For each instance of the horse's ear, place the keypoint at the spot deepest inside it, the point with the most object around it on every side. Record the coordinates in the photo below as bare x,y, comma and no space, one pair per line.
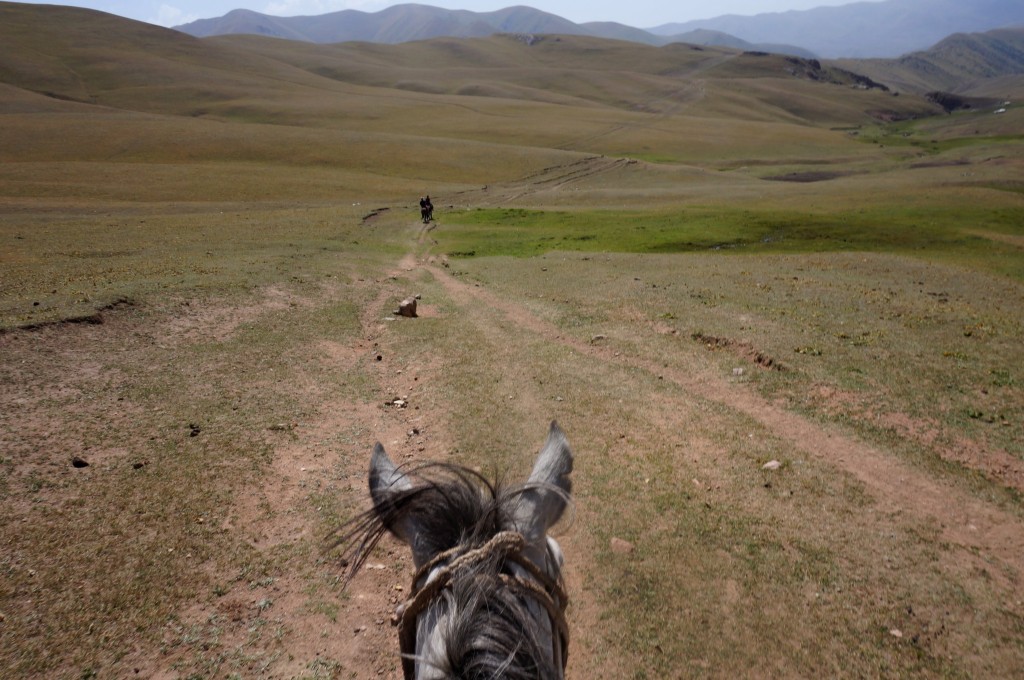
387,484
543,502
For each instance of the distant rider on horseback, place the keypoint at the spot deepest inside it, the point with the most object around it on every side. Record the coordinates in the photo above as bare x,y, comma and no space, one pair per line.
426,210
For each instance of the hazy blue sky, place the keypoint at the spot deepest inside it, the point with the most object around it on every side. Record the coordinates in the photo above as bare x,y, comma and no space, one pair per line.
639,13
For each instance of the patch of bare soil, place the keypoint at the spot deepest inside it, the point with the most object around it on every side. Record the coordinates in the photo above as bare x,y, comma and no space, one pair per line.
202,321
996,464
372,216
740,348
95,317
807,177
953,163
1009,239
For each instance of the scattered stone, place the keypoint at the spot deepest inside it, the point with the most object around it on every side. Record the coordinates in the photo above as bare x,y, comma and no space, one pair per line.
621,547
737,371
407,308
79,462
771,465
896,633
598,338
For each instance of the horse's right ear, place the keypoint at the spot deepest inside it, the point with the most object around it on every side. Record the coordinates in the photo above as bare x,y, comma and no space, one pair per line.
387,484
543,503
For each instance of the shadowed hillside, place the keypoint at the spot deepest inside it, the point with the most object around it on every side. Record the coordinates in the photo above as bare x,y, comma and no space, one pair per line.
961,63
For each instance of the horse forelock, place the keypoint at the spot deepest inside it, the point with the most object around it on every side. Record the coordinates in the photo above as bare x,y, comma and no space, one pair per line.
481,627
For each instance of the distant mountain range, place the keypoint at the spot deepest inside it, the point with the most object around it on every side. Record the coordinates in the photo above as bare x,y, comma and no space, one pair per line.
978,63
863,29
407,23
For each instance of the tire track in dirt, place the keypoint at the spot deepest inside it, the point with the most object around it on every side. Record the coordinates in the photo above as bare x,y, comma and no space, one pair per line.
553,177
964,520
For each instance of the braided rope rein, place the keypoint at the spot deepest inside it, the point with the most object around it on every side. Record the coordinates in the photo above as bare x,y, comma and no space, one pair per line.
509,546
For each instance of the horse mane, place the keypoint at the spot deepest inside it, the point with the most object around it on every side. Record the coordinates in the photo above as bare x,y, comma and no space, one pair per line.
491,630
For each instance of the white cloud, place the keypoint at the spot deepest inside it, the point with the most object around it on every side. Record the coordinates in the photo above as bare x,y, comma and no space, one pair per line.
172,16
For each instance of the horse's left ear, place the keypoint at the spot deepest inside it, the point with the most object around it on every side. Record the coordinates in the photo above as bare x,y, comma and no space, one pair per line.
387,483
543,503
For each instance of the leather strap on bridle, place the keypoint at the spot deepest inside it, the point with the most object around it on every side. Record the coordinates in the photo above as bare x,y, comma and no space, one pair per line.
509,546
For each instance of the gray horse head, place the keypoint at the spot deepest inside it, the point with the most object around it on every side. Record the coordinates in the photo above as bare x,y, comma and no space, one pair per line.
487,599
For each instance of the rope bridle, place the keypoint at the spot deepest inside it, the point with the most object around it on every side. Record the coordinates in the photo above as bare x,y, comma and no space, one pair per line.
505,546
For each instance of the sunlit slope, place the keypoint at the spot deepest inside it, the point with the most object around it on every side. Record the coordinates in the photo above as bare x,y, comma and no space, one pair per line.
77,85
575,70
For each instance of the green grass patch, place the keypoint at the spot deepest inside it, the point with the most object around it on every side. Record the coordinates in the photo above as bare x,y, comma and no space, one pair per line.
939,232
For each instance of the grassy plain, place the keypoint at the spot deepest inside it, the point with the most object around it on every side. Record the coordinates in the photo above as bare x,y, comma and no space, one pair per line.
696,273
